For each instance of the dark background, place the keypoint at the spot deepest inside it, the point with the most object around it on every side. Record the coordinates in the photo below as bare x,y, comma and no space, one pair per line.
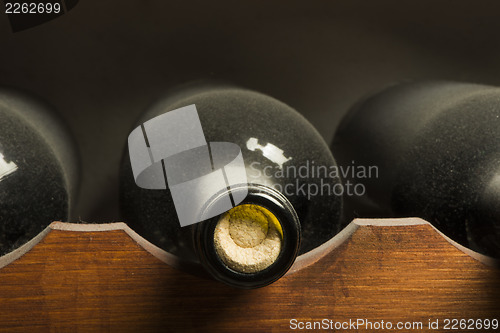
104,62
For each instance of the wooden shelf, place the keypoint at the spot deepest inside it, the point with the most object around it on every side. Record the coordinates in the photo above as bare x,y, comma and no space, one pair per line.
89,277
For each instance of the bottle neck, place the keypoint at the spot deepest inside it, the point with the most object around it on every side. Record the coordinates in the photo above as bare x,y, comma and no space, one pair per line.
254,243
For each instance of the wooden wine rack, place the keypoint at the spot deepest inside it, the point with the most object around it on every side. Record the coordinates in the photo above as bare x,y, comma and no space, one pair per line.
91,278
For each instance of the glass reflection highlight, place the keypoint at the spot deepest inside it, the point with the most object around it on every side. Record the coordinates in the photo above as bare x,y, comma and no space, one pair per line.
6,168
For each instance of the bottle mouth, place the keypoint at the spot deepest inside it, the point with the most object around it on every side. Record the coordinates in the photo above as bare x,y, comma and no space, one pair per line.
254,243
248,238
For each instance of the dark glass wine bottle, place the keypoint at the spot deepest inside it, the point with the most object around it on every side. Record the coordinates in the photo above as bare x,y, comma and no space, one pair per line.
289,206
437,149
38,168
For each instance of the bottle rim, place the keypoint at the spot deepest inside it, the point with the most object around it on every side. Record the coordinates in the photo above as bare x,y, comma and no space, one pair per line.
282,209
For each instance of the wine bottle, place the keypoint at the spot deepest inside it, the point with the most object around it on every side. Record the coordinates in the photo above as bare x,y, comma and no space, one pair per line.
437,149
286,206
38,168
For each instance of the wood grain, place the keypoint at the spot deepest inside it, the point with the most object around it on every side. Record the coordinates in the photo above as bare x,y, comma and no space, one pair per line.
88,278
